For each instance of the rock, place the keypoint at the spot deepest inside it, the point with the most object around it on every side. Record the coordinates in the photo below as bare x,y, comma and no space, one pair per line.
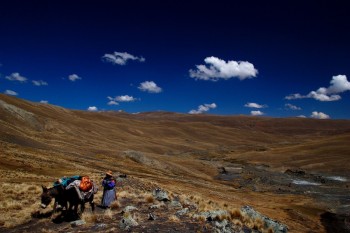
154,207
268,223
127,222
151,216
129,209
222,170
77,223
160,195
182,212
22,114
296,172
223,226
176,204
100,226
211,215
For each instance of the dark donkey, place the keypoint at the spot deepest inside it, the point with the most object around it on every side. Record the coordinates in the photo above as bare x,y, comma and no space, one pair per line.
63,197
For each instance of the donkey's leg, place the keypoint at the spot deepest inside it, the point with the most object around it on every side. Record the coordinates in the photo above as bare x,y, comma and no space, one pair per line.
92,204
82,206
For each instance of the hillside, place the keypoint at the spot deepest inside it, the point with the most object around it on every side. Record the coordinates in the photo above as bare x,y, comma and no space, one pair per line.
184,154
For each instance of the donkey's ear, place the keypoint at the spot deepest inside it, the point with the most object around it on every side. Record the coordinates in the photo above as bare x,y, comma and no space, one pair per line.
44,188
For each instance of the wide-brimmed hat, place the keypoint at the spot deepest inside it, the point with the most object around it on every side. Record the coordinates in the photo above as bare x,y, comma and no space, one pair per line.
109,173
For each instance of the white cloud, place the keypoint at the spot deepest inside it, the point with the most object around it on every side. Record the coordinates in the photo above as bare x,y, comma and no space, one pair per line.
295,96
203,108
301,116
125,98
92,109
113,102
39,83
150,86
118,58
9,92
220,69
338,84
319,115
254,105
44,101
16,77
256,113
74,77
292,107
121,98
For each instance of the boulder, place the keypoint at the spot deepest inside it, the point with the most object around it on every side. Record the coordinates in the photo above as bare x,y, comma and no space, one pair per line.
211,215
176,204
127,222
182,212
223,226
160,195
268,222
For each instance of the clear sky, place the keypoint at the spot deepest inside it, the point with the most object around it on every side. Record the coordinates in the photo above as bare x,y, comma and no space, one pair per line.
271,58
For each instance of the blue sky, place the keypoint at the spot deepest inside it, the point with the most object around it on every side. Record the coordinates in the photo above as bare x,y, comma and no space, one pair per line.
268,58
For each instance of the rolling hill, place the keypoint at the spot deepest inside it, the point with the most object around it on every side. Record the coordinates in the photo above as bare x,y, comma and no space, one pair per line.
180,152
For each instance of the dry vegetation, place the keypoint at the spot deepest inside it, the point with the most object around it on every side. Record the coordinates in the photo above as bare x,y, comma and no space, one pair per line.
181,153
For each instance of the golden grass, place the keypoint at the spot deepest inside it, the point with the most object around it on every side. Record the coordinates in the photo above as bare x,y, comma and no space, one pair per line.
18,201
182,154
90,218
173,218
115,205
150,199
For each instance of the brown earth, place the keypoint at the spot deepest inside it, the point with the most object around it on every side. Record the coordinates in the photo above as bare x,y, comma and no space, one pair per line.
184,154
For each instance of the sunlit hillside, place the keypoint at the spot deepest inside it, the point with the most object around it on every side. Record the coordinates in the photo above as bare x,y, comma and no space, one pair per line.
180,152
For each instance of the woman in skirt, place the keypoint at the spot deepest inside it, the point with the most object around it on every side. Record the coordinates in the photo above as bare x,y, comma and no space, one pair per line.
109,192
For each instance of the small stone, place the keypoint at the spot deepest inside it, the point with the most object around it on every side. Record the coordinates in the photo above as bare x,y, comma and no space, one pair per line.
77,223
182,212
176,204
160,195
129,209
151,216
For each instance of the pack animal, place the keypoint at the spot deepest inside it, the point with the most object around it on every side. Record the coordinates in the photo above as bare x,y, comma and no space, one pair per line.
65,197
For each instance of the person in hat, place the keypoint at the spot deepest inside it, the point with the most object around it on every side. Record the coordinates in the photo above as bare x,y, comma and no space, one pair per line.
109,190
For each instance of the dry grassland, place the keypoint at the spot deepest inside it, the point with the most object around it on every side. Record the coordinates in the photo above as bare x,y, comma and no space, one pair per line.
180,153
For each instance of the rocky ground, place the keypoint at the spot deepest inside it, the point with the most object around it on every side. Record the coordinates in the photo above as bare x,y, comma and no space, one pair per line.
331,193
151,210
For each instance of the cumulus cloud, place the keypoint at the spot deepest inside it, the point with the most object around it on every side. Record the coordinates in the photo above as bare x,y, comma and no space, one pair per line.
74,77
44,101
254,105
338,84
219,69
256,113
16,77
319,115
294,96
125,98
92,109
301,116
39,83
150,86
118,58
9,92
121,98
292,107
113,102
203,108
